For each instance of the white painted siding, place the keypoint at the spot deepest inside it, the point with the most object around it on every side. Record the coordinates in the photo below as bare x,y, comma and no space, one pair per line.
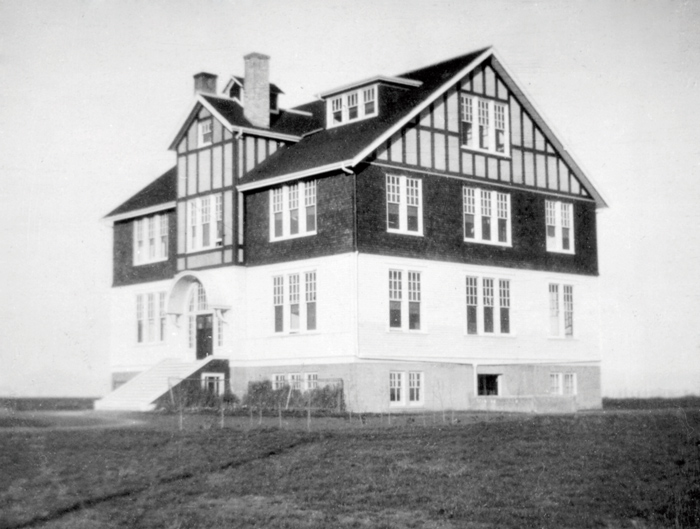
333,339
443,334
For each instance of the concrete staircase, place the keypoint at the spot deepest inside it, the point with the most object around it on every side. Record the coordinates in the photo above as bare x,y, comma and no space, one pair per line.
140,393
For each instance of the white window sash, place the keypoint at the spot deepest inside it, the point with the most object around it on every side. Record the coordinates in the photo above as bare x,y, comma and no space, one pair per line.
472,204
476,116
303,201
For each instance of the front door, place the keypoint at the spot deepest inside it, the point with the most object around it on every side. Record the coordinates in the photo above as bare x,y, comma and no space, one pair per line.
204,335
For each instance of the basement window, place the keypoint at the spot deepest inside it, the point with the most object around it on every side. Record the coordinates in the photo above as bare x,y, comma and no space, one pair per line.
488,385
213,383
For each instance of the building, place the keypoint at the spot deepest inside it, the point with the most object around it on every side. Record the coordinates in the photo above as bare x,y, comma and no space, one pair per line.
426,238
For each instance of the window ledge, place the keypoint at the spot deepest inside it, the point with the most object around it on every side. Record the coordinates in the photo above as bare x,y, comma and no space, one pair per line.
418,332
404,232
288,334
564,252
151,262
492,335
562,338
476,150
490,243
288,237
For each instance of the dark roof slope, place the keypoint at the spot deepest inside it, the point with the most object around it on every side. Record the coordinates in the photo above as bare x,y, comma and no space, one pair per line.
274,89
162,190
284,122
342,143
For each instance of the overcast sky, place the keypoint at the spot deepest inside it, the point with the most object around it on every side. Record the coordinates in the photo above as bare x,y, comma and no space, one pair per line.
92,93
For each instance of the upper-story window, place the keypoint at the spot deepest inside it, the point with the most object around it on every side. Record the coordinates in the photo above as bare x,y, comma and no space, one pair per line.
293,210
404,205
486,216
151,239
206,136
352,106
484,125
404,299
559,217
205,225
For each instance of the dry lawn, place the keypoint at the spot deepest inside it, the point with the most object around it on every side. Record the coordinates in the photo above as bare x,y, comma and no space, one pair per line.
619,469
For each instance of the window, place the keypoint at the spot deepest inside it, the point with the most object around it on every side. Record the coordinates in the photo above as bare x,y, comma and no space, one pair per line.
561,321
488,385
151,239
295,381
311,381
369,100
352,106
404,205
561,310
205,133
560,226
491,120
486,216
293,211
213,383
488,305
150,317
292,313
279,381
197,303
204,223
401,281
406,388
562,383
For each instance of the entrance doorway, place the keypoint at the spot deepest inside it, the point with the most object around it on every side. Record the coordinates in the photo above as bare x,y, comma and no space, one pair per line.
205,331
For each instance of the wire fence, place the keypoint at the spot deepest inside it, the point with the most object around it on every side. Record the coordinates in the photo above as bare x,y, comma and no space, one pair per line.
314,399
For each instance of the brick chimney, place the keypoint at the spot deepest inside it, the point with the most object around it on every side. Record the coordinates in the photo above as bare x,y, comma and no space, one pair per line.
257,89
205,83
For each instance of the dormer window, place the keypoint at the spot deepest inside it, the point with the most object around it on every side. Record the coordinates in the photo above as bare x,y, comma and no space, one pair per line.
352,106
484,125
368,96
337,105
205,133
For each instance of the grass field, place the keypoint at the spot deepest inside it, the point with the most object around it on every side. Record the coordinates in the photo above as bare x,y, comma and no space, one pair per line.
616,469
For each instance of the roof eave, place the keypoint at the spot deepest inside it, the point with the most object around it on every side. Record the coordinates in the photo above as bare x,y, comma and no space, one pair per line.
288,177
111,219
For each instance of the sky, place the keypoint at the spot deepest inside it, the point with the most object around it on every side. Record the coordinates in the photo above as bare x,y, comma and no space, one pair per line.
93,92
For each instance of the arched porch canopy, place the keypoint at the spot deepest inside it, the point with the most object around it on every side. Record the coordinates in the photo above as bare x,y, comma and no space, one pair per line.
216,295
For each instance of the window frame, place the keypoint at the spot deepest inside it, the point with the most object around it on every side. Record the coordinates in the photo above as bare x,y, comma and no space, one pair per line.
303,195
499,384
405,192
151,318
401,382
562,311
558,213
481,295
561,388
295,291
483,115
207,208
151,236
220,384
205,133
496,208
339,107
406,289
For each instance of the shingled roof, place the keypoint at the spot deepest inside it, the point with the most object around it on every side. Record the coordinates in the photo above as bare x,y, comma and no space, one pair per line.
284,122
339,144
161,191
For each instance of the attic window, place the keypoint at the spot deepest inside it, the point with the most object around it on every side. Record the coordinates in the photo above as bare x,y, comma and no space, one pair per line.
484,125
205,133
352,106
